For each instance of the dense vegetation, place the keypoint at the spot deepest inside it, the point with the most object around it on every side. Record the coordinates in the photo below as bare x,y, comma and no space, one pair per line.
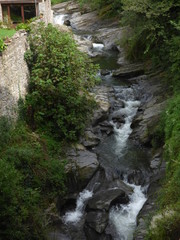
58,101
32,152
31,177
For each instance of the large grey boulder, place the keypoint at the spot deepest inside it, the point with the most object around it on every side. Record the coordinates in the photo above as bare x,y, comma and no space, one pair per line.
82,166
97,220
104,199
129,71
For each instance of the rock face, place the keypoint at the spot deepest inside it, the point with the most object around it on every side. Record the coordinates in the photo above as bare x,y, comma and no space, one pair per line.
82,166
129,71
110,197
150,206
153,102
97,220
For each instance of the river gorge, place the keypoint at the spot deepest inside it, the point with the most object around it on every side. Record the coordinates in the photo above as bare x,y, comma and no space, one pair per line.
114,194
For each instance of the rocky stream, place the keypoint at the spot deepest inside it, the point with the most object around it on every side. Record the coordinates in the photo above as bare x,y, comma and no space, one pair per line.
113,173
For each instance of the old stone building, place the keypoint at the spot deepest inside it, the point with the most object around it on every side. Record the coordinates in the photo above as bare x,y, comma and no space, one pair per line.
17,11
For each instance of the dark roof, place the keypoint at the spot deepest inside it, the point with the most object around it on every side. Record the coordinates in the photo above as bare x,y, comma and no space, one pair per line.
18,1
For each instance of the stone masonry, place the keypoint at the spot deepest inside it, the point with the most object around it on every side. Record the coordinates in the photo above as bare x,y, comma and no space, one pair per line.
14,74
1,17
45,9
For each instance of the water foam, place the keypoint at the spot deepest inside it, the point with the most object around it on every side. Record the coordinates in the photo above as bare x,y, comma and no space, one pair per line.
98,46
74,217
59,19
122,133
123,218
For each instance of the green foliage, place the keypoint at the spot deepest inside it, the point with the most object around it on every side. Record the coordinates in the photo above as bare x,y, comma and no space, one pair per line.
31,177
5,32
58,100
2,45
24,26
53,2
149,21
106,8
167,228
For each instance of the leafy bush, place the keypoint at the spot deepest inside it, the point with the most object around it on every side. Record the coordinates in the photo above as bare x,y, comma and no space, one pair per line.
24,26
31,177
58,100
107,8
2,45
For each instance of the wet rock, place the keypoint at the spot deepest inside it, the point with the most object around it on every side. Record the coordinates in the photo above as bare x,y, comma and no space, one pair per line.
91,234
97,220
104,72
101,95
103,200
90,139
118,116
137,177
129,71
67,23
82,166
150,206
84,45
109,34
85,21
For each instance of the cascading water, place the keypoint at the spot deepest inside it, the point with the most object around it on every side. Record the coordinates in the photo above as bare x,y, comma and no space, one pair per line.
123,218
74,217
98,46
112,151
59,19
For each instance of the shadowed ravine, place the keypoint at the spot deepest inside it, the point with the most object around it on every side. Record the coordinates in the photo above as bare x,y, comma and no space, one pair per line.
124,163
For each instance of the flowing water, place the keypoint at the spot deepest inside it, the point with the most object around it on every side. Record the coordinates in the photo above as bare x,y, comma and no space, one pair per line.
123,218
117,152
59,19
74,217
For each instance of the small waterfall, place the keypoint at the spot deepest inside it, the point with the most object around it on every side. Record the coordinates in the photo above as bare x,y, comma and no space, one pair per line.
98,46
59,19
123,218
74,217
129,111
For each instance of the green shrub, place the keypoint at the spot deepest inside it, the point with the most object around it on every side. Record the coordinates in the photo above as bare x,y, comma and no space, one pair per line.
58,100
2,45
31,177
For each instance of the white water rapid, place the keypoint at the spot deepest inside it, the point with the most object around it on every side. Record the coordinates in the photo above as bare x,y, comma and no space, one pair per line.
123,218
59,19
129,111
74,217
98,46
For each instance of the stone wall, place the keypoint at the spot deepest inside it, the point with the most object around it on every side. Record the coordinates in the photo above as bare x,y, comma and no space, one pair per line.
14,74
45,9
1,17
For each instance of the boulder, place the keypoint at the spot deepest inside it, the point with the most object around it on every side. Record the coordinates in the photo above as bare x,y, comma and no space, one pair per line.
97,220
118,116
90,139
67,23
105,72
82,166
104,199
91,234
129,71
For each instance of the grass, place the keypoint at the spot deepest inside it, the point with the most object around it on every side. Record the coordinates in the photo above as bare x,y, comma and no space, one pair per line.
6,33
57,1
